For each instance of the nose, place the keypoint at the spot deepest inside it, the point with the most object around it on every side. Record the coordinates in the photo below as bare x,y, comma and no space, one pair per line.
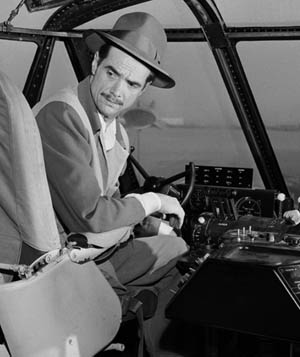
116,88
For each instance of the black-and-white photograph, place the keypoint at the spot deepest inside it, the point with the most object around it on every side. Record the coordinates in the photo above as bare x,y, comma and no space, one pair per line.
149,178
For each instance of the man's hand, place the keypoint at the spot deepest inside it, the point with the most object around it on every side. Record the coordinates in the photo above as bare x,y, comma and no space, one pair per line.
160,203
153,226
293,215
149,227
171,206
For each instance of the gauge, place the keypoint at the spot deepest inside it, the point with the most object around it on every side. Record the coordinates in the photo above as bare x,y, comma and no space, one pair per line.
248,205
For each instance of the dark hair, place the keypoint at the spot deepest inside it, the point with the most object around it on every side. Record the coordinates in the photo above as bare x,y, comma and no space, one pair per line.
103,53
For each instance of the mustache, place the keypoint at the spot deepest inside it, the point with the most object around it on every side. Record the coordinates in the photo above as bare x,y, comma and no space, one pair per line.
112,98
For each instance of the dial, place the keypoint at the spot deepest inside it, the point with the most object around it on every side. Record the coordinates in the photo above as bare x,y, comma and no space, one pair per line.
247,205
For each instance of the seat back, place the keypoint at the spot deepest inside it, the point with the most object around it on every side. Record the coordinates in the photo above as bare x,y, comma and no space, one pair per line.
64,309
26,213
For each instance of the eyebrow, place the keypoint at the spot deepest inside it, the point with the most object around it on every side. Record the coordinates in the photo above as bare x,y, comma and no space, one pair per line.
110,67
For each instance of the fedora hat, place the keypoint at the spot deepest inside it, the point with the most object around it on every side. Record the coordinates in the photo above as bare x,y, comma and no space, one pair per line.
140,35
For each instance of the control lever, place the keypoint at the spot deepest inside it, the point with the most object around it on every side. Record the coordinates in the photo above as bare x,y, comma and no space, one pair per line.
137,164
281,199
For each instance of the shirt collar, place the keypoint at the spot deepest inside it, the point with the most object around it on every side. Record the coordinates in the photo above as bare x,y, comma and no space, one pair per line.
108,132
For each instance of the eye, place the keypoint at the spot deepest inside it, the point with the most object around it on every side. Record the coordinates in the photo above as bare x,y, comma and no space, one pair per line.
111,74
133,85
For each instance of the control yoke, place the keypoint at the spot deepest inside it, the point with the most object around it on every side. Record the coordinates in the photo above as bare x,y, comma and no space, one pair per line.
164,185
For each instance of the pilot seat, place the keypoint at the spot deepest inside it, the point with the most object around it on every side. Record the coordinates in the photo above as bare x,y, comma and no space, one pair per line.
51,305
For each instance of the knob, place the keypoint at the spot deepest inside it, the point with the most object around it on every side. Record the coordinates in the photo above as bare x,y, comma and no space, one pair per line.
281,197
201,220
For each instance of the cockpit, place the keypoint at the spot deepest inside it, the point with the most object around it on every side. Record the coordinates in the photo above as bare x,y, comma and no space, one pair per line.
223,142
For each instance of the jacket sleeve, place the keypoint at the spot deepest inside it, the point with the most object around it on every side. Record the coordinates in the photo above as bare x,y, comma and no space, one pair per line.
74,188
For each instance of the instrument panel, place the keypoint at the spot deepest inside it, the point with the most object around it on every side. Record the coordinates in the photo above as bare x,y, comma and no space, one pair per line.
213,210
244,262
232,202
227,193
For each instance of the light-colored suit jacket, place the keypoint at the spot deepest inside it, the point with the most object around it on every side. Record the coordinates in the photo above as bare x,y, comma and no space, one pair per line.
80,203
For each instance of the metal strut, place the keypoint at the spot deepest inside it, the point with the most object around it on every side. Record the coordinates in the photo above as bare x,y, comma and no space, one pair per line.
13,14
228,61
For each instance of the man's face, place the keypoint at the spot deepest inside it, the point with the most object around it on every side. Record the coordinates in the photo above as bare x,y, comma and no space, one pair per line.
117,82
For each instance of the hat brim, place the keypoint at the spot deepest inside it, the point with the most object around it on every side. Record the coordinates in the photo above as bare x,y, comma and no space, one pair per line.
95,40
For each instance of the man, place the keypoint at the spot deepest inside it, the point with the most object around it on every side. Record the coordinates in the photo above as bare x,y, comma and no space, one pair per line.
85,151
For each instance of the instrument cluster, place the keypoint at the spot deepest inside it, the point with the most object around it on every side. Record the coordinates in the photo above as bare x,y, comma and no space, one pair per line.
212,211
233,202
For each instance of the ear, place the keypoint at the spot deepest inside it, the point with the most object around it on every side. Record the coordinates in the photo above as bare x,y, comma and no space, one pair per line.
95,63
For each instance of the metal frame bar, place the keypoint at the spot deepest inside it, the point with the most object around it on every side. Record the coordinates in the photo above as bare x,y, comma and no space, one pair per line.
79,57
32,34
68,17
239,90
174,34
38,71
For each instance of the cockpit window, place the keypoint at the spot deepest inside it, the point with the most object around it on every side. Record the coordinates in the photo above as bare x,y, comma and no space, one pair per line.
273,72
177,16
252,13
60,73
15,60
195,121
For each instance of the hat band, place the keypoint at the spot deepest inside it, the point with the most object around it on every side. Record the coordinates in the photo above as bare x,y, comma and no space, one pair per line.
139,43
